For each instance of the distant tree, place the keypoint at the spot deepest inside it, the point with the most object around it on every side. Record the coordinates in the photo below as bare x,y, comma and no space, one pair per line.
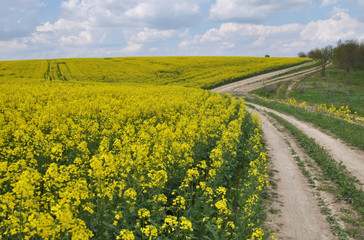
302,55
361,55
323,55
347,54
266,55
314,54
327,54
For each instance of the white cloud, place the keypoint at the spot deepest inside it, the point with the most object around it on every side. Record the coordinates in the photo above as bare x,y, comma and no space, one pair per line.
64,32
281,40
171,27
233,38
227,45
153,49
248,31
62,25
132,48
151,35
82,38
159,14
190,43
116,23
143,10
6,46
339,26
101,24
328,2
164,14
250,10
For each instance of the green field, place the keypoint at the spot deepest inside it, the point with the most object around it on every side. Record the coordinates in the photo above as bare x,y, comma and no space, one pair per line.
337,88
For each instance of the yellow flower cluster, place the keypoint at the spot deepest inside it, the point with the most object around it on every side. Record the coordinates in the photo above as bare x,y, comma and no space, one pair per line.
186,224
257,234
180,202
150,231
125,234
143,212
123,161
342,112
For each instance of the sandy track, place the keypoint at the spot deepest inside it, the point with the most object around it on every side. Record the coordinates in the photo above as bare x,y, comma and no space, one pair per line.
298,214
249,84
351,157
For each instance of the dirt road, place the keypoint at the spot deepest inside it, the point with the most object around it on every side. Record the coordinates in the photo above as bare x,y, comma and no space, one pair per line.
298,214
351,157
247,85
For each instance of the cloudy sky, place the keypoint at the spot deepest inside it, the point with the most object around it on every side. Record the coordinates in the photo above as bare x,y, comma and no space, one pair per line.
33,29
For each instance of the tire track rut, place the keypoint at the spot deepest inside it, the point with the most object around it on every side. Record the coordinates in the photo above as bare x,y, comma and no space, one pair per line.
249,84
298,214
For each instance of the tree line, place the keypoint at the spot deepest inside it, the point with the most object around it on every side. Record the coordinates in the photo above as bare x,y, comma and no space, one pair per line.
346,55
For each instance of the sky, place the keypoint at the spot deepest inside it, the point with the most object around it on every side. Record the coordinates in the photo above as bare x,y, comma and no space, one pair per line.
38,29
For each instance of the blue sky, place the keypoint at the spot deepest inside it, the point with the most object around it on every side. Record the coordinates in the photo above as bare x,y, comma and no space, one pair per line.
35,29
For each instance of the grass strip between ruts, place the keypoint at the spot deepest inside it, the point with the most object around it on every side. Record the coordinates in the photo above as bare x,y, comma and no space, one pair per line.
349,132
334,170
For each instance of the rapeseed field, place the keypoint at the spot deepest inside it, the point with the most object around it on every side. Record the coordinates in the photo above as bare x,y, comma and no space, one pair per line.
198,72
88,157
